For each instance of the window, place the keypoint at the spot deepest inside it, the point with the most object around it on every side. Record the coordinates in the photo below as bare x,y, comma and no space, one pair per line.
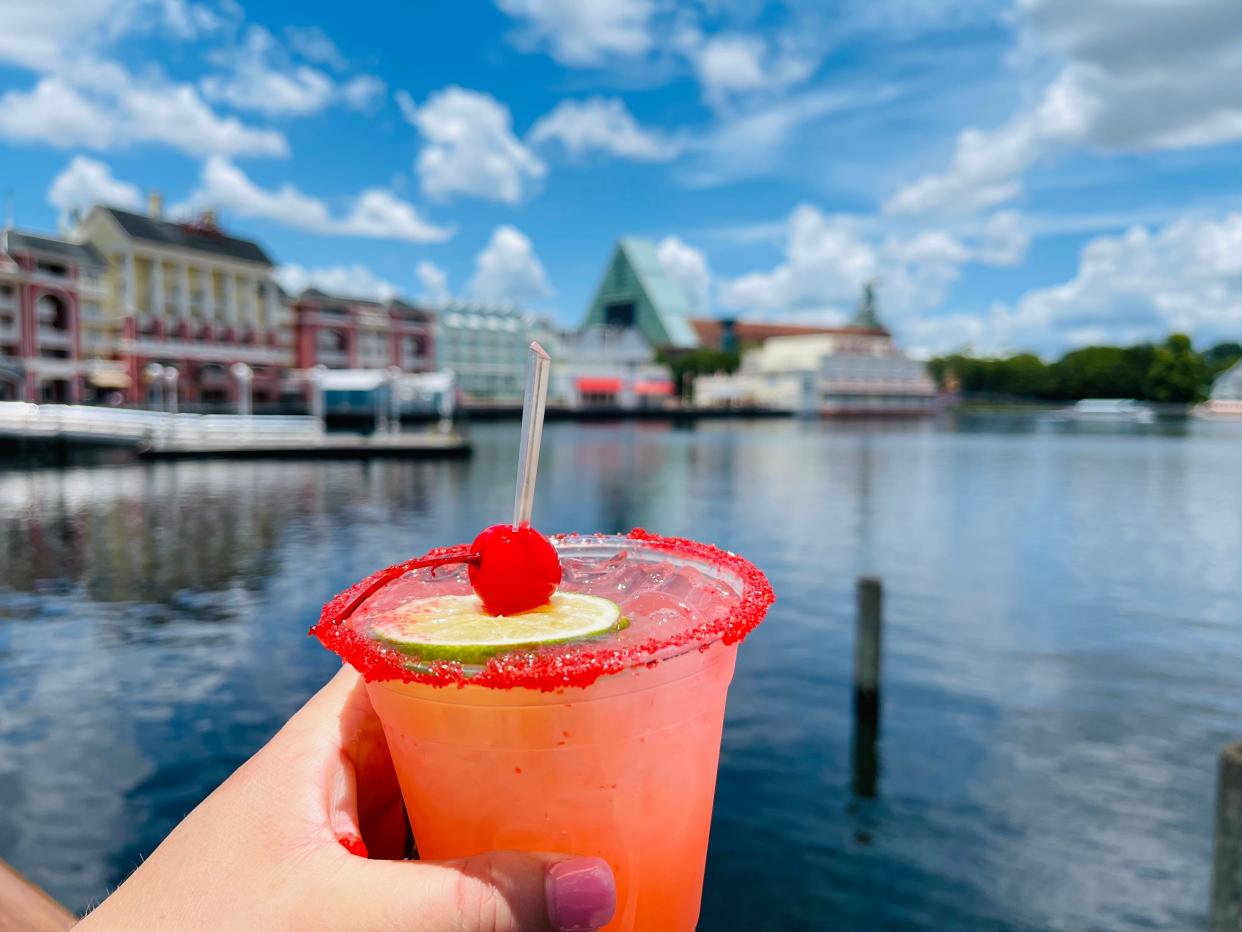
619,314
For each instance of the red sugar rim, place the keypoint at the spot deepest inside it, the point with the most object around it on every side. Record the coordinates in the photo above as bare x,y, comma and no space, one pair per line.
549,668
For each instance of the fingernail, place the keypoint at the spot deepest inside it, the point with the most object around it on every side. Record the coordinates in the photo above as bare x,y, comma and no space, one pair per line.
581,894
353,844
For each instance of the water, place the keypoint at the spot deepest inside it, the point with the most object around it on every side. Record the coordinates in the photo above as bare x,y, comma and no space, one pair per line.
1063,647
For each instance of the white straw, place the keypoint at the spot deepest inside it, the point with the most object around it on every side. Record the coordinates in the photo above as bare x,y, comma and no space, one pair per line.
532,433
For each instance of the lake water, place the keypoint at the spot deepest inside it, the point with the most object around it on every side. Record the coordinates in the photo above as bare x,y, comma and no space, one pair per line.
1063,651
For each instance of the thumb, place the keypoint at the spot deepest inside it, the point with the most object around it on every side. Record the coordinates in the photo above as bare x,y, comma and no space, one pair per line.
501,891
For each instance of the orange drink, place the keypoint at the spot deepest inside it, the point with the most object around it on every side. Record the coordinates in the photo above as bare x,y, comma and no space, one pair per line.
604,746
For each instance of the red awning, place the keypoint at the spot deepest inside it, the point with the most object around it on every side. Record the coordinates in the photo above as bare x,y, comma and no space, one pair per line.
598,386
657,387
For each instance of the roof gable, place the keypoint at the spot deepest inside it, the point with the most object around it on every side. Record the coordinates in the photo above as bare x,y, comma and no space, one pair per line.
636,275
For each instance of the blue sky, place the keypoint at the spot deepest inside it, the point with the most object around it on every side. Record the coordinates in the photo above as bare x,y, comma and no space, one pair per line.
1037,174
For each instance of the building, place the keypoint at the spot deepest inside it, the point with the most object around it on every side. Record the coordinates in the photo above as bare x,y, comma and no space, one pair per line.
358,333
637,293
188,295
732,334
603,367
486,349
852,370
48,289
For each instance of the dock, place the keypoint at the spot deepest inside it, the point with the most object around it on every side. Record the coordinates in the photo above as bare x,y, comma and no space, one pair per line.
55,431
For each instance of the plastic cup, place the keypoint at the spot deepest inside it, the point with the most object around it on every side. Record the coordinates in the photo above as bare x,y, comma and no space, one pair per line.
622,767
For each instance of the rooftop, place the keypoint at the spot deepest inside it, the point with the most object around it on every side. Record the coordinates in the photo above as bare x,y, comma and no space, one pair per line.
20,241
710,330
201,236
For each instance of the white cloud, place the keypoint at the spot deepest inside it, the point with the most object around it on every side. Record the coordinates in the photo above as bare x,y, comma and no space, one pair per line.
111,114
507,271
434,282
84,182
40,36
355,281
603,125
584,32
313,44
375,213
470,148
753,142
733,65
1132,78
260,76
828,258
687,267
826,263
1140,285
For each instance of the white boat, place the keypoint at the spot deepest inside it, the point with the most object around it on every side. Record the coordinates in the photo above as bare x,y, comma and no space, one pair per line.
1108,411
1220,409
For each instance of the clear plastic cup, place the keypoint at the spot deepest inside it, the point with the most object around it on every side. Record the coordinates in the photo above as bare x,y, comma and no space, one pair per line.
608,749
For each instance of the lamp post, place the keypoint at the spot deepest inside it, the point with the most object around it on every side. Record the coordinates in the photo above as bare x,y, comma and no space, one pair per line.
154,374
316,391
394,399
244,376
171,377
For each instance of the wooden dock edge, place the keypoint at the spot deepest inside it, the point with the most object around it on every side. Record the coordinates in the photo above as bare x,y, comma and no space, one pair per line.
26,908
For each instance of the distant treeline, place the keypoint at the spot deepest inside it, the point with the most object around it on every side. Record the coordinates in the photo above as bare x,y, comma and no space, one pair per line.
1172,371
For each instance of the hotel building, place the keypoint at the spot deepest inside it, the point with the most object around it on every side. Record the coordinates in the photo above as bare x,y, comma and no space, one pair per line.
186,294
49,289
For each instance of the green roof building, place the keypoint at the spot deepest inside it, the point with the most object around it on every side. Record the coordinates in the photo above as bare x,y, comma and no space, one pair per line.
636,292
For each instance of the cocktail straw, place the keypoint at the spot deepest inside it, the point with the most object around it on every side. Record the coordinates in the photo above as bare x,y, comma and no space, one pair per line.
532,433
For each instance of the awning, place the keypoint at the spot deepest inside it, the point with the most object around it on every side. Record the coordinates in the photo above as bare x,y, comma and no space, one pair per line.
661,387
599,386
106,378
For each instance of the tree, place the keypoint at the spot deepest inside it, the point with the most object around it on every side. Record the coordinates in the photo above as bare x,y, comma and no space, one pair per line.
1177,372
702,361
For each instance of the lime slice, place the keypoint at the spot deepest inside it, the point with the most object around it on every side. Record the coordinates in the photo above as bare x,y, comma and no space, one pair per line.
455,627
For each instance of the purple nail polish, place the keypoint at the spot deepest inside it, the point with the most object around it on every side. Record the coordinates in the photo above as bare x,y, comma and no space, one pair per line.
581,894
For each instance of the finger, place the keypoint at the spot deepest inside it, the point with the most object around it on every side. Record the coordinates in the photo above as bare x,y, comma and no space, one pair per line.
506,891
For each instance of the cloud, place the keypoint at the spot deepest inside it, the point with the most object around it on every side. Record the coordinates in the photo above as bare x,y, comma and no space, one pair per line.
603,125
507,271
375,213
261,76
84,182
687,267
734,65
584,32
40,36
752,142
1139,285
470,148
119,111
313,44
1130,79
828,258
434,282
355,281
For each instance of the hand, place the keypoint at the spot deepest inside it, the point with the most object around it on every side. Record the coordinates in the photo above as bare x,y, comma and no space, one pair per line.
267,850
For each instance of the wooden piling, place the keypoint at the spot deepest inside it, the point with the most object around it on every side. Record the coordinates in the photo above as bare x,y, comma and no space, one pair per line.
1227,853
864,759
867,643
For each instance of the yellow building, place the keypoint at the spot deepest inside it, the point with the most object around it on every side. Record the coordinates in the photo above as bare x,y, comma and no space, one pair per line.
188,295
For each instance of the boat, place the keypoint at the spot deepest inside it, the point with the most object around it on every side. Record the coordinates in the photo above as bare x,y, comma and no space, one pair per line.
1107,411
1222,409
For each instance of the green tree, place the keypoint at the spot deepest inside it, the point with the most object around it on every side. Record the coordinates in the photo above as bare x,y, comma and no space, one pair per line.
1177,372
702,361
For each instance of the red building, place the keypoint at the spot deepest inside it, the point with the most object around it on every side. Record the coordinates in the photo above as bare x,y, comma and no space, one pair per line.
47,285
357,333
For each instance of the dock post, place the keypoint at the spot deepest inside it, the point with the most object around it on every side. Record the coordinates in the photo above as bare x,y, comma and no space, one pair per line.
1227,852
867,642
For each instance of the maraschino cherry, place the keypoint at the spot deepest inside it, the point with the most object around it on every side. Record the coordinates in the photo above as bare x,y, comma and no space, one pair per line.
513,569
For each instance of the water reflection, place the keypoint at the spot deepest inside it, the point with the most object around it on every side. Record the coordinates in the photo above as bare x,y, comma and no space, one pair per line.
1061,655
